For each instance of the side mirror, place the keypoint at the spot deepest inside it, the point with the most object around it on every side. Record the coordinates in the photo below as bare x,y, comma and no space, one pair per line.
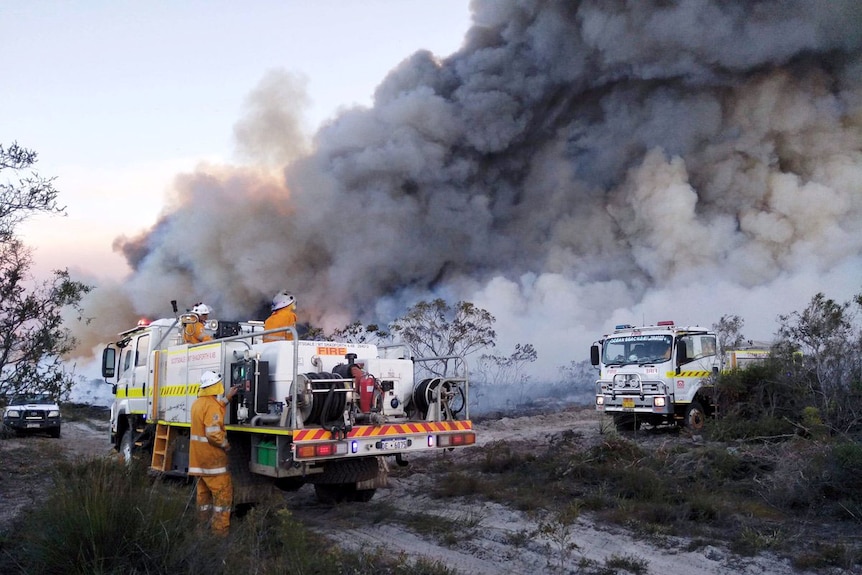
109,362
594,355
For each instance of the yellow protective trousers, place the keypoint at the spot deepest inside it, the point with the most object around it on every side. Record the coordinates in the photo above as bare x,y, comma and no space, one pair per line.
215,497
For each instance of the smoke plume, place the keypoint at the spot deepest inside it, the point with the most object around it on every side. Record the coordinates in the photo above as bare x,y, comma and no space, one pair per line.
574,165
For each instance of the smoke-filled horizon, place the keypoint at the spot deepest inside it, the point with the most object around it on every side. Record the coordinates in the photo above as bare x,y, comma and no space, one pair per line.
574,165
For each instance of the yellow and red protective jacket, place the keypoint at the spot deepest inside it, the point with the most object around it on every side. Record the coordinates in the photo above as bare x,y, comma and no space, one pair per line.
284,317
194,333
208,442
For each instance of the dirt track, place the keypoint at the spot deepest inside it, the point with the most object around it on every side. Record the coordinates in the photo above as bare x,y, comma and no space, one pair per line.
490,539
497,539
25,462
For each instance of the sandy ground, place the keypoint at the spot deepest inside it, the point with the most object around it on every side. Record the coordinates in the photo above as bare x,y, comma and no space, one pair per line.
494,539
500,539
25,462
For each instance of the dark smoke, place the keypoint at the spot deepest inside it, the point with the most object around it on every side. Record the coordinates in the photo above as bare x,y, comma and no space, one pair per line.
574,165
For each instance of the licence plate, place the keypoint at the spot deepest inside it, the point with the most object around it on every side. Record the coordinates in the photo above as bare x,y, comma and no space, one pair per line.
628,403
393,444
33,425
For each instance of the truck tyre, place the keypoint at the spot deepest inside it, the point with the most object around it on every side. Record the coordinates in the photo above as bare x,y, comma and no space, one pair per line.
289,483
55,433
627,422
127,447
695,417
347,471
363,495
330,494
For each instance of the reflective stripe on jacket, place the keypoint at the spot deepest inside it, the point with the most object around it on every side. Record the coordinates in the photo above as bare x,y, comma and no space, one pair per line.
194,333
208,440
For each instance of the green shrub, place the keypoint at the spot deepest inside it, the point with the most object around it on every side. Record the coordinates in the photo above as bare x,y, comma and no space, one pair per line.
763,428
101,518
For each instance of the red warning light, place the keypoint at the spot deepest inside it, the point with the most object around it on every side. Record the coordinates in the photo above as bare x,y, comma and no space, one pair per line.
143,322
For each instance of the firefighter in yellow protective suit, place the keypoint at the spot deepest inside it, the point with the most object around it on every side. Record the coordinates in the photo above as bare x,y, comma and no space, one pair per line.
194,332
283,315
208,447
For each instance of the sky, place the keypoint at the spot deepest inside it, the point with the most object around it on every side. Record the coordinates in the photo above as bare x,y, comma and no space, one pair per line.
118,98
567,166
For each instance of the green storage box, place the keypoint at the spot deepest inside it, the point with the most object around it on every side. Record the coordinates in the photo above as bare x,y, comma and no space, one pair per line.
266,453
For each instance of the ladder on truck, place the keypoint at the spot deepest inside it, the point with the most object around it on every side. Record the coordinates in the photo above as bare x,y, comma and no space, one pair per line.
162,447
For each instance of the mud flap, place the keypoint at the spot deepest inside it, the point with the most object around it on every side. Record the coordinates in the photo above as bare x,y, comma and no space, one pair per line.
380,480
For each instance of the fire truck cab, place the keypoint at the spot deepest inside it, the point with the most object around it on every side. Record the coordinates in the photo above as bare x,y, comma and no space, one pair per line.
656,374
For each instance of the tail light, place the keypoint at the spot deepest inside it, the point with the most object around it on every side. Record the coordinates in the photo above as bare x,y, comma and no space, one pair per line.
323,449
456,439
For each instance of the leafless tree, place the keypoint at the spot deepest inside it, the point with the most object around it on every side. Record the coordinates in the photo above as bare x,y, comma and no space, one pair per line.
436,329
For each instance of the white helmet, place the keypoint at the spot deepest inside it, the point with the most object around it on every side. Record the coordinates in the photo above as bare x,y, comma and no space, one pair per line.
209,378
282,299
201,309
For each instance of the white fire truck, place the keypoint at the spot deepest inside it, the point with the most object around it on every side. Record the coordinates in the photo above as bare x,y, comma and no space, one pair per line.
657,374
299,417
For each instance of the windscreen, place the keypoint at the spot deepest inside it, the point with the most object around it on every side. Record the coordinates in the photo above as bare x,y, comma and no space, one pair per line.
637,349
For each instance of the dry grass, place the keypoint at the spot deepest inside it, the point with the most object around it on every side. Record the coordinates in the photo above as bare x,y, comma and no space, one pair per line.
796,497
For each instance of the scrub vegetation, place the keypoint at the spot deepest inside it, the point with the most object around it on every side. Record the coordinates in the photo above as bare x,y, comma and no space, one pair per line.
86,525
801,498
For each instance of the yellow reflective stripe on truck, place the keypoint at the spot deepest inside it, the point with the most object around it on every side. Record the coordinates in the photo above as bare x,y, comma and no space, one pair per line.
698,373
133,392
179,390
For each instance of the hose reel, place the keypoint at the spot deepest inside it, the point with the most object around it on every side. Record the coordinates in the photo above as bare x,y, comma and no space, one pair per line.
451,396
322,397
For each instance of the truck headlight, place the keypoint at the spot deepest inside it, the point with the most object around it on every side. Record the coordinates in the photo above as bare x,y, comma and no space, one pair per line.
630,380
600,400
54,413
658,402
13,413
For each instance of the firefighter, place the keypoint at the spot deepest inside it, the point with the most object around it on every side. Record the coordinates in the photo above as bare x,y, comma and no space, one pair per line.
208,447
283,315
194,332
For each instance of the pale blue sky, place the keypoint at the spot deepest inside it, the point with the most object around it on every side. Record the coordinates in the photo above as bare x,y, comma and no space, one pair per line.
118,97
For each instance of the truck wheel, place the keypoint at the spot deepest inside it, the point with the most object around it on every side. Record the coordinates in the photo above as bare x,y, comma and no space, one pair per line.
289,483
627,422
55,433
347,471
363,495
330,493
127,447
695,417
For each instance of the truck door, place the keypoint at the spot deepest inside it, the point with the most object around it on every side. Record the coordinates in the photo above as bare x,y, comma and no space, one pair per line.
697,358
133,373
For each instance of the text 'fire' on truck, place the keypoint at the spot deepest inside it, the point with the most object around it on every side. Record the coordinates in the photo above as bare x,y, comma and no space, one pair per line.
661,374
299,417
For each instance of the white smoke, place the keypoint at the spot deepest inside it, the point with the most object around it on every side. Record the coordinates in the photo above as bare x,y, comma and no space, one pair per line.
574,165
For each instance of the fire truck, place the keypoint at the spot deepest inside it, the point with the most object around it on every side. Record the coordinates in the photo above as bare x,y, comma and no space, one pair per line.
656,374
302,414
